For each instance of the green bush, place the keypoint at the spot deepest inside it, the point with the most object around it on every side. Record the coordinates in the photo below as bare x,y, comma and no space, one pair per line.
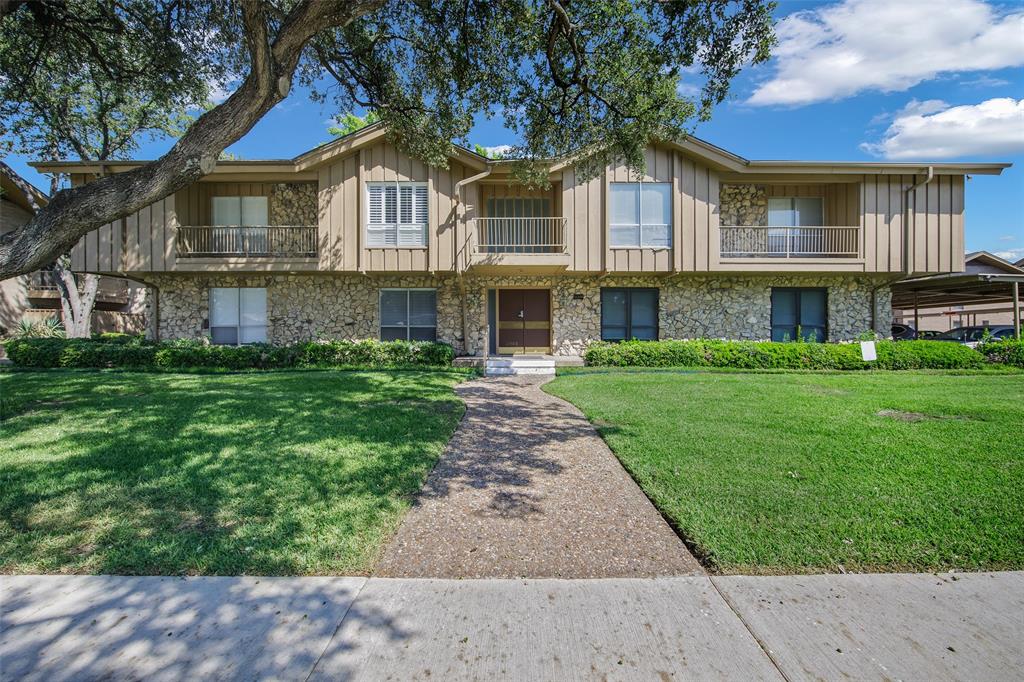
769,355
1006,351
136,352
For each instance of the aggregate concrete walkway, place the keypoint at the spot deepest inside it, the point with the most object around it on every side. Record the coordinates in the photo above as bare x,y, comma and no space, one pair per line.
527,488
864,627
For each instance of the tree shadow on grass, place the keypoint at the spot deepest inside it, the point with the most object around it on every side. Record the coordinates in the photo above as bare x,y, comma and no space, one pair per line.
270,474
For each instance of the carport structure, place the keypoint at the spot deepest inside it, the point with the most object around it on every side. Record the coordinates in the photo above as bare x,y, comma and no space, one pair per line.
987,279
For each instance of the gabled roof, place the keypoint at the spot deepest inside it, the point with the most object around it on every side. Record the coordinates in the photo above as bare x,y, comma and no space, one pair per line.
712,155
983,260
20,191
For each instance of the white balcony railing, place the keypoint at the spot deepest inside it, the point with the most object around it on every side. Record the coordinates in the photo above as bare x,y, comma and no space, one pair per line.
281,241
744,241
520,235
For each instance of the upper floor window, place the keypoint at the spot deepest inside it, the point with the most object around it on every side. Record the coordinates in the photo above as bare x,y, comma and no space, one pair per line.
240,211
795,212
519,207
397,214
641,214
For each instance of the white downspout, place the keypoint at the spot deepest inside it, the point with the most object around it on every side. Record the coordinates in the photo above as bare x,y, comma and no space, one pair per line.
458,265
906,218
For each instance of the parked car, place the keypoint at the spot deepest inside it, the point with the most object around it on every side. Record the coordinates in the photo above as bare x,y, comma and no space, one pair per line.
972,336
903,332
926,334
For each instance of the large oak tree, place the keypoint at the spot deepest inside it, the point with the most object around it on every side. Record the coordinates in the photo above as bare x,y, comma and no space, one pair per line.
596,78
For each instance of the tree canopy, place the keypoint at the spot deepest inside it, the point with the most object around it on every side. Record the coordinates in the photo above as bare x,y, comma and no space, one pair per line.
598,79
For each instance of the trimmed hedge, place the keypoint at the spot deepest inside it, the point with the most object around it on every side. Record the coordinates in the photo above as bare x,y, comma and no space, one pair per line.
771,355
136,352
1007,352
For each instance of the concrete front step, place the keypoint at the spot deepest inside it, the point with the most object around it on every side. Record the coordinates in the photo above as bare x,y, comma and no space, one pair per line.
508,366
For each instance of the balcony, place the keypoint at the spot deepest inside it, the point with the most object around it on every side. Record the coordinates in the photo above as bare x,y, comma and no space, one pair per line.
43,284
525,243
745,241
263,241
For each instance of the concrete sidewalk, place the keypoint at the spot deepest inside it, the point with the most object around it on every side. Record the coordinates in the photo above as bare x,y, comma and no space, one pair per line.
967,626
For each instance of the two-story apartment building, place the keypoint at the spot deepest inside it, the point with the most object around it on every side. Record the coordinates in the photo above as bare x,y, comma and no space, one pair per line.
353,239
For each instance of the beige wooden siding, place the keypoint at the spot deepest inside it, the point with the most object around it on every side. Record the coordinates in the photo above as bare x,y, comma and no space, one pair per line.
694,217
342,212
195,203
936,223
840,201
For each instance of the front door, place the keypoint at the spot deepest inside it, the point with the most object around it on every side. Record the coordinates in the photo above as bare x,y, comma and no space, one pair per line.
524,321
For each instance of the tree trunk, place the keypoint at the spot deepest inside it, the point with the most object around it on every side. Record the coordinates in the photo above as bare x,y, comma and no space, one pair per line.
72,213
76,305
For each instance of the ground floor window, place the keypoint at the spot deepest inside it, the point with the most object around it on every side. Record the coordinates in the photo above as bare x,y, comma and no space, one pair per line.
799,314
408,314
629,313
238,315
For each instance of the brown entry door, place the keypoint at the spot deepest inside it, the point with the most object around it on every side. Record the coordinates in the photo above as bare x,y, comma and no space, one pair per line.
524,321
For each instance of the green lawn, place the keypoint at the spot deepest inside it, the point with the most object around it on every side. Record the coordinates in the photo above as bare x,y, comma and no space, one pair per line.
769,473
283,473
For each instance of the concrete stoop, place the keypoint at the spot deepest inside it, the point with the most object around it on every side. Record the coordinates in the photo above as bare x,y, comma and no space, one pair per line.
519,364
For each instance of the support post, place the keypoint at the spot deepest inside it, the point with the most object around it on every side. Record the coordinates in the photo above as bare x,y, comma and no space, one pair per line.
917,319
1016,310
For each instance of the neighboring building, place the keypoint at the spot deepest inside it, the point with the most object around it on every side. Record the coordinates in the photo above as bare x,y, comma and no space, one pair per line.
355,240
120,304
942,318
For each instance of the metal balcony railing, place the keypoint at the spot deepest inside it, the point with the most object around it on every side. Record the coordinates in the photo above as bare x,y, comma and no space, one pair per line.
520,235
280,241
745,241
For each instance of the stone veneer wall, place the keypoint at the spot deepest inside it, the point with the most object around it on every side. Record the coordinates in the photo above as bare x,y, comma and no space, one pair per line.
743,205
293,203
721,306
302,307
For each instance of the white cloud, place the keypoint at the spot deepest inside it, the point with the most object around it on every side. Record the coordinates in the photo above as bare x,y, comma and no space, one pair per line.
984,82
854,46
498,150
1012,255
995,126
1007,238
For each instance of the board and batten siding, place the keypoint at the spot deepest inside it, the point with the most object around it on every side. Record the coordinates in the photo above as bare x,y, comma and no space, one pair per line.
936,223
695,237
343,212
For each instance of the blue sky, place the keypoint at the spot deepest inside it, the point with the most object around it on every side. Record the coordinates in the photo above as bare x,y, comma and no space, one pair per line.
852,80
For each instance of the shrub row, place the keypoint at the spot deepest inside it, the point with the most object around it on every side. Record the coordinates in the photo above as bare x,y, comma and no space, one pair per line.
134,352
769,355
1007,352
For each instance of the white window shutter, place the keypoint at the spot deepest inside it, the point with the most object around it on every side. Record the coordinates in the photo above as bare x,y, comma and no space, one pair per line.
376,207
421,205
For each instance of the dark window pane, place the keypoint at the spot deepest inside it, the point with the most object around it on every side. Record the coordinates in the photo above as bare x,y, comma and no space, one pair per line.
645,333
644,309
812,308
423,334
613,333
423,308
813,333
613,307
224,335
784,309
393,333
783,333
393,307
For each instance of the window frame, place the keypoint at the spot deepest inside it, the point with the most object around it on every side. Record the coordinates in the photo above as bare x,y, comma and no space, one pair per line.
397,226
238,326
629,311
792,200
797,305
407,326
640,216
241,222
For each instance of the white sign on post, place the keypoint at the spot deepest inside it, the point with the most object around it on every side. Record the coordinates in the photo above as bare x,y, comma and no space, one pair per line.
867,351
